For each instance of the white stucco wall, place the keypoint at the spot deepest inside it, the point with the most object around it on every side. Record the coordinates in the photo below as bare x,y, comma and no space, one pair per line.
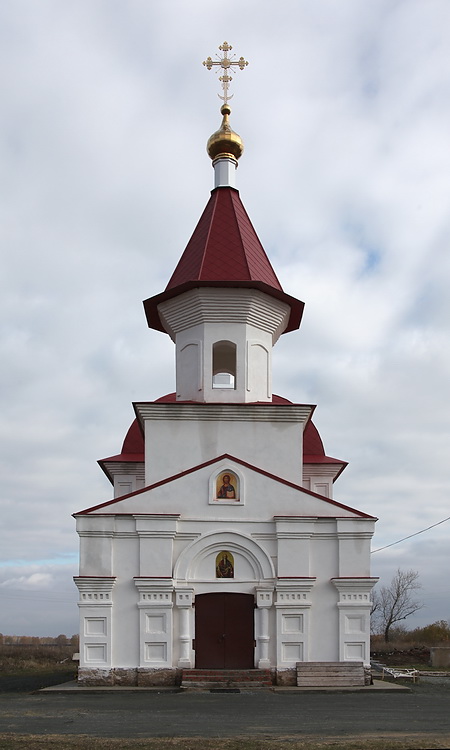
296,554
181,436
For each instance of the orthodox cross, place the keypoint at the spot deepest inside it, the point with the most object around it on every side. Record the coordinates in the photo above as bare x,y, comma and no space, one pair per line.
226,63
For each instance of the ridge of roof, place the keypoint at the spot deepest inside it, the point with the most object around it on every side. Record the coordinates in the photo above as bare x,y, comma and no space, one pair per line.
211,461
237,204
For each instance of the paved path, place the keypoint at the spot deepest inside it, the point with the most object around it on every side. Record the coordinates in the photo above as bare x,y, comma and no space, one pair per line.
226,715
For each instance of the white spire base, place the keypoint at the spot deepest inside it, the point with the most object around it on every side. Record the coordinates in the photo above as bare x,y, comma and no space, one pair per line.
225,172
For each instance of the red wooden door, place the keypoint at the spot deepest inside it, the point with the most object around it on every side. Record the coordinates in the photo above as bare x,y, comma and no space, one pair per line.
224,631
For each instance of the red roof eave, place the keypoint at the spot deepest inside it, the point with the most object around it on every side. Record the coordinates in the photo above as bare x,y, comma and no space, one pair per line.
154,320
131,458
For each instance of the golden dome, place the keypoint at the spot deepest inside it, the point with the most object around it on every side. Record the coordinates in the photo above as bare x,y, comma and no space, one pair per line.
225,142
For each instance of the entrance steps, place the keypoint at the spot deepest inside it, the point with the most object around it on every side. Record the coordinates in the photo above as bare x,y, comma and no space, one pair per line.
226,679
330,674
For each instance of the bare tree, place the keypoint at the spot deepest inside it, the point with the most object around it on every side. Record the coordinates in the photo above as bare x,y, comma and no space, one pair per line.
396,602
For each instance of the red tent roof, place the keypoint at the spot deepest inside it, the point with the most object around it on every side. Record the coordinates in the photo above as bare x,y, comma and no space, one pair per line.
224,246
225,251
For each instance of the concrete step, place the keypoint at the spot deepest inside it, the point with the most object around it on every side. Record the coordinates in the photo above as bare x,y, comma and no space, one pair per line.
329,670
330,674
226,679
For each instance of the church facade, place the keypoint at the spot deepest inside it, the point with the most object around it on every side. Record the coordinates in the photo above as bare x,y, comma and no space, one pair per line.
222,547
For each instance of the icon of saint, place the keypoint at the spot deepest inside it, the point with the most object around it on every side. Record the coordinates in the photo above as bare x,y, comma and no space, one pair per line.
224,567
227,490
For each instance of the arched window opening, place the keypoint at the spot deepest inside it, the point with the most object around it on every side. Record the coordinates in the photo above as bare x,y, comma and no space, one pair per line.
224,365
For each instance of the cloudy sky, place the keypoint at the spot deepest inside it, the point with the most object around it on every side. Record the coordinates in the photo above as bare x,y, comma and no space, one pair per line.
105,110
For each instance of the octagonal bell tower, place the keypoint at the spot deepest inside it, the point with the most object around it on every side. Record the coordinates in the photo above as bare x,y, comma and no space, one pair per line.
224,307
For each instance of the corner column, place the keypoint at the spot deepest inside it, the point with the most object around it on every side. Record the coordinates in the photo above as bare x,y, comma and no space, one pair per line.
184,598
264,601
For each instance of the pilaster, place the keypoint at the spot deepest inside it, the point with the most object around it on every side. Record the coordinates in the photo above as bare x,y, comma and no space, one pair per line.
95,606
294,542
156,534
293,603
354,535
354,618
155,622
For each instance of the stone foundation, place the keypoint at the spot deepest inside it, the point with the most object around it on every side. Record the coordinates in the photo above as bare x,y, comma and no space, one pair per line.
158,677
145,677
125,677
93,677
286,677
129,677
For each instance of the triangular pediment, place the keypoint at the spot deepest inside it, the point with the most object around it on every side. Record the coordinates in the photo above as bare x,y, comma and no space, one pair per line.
257,494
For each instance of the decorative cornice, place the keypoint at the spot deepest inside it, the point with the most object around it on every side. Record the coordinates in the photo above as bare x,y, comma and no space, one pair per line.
136,468
217,305
322,469
349,582
184,596
95,590
296,519
354,592
264,597
154,591
294,592
299,413
163,534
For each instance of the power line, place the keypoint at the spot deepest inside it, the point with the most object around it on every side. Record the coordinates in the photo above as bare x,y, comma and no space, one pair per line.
43,598
36,595
411,535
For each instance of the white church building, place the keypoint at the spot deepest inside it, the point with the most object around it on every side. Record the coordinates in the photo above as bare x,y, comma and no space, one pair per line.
222,547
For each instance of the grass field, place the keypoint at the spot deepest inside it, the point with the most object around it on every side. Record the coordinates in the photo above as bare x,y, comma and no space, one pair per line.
24,669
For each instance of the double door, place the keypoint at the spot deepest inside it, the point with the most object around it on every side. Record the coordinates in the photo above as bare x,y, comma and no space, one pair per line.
224,631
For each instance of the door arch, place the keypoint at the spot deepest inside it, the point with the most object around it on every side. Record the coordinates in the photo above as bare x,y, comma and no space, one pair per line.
224,631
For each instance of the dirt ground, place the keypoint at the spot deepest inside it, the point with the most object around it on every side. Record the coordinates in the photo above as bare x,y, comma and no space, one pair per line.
34,721
419,718
60,742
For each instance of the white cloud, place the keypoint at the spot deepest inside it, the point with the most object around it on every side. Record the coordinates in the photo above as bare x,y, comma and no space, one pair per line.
105,113
33,581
